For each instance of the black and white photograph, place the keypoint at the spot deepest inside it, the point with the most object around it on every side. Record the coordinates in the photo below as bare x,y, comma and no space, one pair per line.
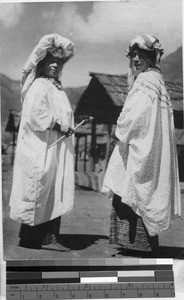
92,131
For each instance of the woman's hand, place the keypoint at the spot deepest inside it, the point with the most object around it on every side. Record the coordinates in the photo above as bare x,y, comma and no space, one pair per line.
85,118
66,130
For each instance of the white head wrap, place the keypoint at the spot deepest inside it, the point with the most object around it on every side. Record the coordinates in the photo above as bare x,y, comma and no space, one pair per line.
55,44
146,42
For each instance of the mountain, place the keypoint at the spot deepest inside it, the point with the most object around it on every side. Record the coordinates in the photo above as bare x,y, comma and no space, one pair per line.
74,95
10,89
10,97
171,67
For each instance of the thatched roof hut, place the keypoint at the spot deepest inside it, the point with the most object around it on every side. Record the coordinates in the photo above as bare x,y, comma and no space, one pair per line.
104,98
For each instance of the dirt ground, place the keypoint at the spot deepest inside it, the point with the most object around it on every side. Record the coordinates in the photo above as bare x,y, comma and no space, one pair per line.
84,230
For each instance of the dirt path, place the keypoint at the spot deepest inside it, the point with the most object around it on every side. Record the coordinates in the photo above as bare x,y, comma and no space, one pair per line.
84,230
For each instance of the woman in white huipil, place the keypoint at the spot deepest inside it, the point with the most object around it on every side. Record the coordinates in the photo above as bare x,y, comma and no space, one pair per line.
142,175
43,177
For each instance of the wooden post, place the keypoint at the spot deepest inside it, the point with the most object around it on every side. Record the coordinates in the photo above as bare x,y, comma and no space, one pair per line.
85,151
10,127
76,153
13,150
108,145
93,146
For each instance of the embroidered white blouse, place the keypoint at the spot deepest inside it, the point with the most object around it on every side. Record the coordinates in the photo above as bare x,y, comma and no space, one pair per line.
43,177
143,168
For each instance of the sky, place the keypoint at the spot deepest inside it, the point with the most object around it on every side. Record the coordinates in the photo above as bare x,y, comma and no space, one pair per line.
100,30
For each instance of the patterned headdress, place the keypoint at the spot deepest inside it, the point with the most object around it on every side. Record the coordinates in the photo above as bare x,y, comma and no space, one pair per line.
145,42
57,45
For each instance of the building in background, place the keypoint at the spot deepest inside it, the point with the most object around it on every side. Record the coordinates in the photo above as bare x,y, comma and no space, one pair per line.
104,99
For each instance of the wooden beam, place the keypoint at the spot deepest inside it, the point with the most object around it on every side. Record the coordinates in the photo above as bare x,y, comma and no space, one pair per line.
76,153
85,151
108,145
13,148
93,146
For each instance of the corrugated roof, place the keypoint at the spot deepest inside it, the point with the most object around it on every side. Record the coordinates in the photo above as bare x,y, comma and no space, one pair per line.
179,135
116,80
177,104
117,88
118,99
115,85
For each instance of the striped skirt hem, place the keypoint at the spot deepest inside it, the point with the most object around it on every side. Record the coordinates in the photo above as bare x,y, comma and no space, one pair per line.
127,228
